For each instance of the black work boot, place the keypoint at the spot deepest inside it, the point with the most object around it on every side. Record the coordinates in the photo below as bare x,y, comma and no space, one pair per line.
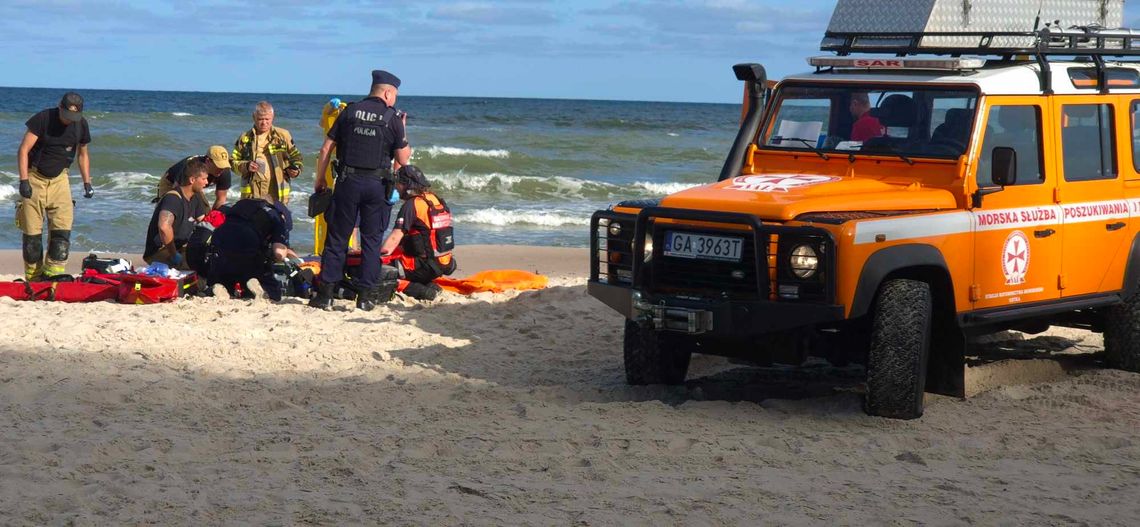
324,297
420,291
366,299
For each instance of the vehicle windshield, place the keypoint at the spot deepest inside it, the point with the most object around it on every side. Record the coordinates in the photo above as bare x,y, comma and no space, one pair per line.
872,119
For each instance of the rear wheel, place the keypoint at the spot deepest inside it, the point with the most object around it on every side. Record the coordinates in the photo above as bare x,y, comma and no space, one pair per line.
900,345
1122,335
655,357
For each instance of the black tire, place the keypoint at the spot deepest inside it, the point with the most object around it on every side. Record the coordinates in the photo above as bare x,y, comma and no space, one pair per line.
1122,335
900,346
655,357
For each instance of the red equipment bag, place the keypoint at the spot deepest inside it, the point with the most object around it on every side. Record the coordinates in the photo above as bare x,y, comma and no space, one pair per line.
59,291
353,259
142,289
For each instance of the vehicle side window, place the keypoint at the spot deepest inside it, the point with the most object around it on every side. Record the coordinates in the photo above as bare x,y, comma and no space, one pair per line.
1087,142
1136,135
1019,128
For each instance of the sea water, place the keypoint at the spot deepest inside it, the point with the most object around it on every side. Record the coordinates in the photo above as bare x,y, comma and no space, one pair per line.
514,171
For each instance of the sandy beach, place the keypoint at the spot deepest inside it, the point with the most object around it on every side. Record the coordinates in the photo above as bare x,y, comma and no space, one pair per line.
511,408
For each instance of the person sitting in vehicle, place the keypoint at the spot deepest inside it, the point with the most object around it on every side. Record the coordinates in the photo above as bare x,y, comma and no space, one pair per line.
174,218
423,233
865,126
253,237
896,111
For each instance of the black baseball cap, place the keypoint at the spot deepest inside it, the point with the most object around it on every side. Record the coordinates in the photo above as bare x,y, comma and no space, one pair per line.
71,106
412,177
383,77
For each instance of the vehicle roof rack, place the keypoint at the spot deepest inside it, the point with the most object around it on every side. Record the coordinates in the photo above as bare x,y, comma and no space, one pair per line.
1085,41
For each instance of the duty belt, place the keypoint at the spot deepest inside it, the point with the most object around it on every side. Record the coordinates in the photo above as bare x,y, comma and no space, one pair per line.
379,173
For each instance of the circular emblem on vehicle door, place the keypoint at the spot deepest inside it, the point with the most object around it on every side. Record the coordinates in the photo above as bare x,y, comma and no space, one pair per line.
1015,258
777,182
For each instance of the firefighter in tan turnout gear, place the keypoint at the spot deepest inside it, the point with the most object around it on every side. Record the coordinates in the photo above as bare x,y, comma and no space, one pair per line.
54,138
266,158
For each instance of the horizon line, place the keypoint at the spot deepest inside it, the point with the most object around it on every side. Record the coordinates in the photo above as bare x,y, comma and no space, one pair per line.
322,95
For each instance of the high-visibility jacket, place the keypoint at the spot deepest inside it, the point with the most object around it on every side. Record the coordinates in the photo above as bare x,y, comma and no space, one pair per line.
280,152
431,235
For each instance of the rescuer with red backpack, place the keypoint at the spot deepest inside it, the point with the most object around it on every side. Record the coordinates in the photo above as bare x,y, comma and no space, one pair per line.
423,234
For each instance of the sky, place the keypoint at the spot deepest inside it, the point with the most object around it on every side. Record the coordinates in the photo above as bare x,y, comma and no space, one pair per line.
668,50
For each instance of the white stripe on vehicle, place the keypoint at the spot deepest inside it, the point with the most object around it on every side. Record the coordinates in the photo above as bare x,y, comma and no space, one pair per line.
914,226
1095,211
960,222
999,219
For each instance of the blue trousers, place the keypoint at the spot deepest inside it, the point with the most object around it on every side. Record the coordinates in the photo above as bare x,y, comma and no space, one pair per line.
238,256
356,196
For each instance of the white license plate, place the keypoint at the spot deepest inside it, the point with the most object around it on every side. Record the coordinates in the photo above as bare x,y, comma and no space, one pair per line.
702,246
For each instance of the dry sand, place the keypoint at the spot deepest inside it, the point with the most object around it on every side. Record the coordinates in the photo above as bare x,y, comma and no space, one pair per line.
504,409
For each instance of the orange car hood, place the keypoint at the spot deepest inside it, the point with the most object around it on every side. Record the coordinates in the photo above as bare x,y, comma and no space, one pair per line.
785,196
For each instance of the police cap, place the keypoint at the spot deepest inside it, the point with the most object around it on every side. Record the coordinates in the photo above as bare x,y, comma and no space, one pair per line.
412,177
383,77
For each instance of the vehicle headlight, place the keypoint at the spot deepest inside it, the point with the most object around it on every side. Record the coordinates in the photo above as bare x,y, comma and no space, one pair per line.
648,247
804,261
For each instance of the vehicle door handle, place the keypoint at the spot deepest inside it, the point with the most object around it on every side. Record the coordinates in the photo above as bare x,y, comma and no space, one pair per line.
1114,226
1044,233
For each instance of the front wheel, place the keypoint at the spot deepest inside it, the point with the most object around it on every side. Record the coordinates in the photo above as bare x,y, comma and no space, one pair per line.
654,357
900,345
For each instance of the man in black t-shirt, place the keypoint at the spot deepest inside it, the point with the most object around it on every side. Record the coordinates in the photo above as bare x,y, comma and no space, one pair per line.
174,217
218,173
55,137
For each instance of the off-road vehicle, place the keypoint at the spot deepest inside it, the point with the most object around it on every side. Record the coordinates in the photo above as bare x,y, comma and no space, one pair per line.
922,184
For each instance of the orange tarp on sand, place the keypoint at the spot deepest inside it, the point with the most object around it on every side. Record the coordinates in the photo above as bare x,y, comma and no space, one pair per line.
495,281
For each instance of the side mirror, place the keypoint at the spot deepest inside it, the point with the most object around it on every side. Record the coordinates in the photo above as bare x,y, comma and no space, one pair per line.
1004,166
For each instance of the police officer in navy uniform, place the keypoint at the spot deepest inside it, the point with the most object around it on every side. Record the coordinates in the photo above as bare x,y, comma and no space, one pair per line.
368,136
254,236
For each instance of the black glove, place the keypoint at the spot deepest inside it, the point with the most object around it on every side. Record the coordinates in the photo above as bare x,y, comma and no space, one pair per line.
26,189
87,190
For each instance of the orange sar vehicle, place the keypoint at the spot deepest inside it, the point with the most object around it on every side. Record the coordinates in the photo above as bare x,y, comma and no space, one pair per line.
881,210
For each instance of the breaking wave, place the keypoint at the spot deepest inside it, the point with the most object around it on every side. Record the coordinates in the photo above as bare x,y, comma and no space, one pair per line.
126,180
452,151
533,187
663,189
502,218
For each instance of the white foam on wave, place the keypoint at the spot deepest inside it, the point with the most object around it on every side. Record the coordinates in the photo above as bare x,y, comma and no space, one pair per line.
664,189
182,114
441,151
5,176
131,179
7,192
502,218
505,182
556,185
